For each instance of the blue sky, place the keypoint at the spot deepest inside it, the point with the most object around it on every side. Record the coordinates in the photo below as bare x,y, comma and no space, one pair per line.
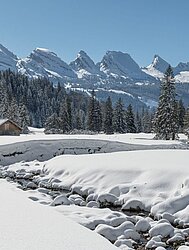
141,28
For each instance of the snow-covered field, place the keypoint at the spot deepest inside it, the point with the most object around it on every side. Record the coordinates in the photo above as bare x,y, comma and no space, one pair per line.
38,134
135,199
28,226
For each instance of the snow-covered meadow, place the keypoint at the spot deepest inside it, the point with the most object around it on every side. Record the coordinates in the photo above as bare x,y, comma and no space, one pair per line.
135,199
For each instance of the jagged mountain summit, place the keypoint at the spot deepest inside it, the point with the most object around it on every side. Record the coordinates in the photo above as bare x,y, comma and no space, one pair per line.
181,67
117,74
119,64
87,71
84,65
7,59
157,68
45,63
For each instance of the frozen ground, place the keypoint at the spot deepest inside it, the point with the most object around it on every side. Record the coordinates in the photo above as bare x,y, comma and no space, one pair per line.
135,199
141,138
43,150
44,147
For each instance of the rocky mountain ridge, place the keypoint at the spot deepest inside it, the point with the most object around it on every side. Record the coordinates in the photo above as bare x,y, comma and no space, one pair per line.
117,75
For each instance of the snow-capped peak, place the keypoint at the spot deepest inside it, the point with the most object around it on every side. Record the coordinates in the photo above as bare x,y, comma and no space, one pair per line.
82,53
159,64
181,67
157,68
84,64
43,62
44,51
7,59
4,50
117,63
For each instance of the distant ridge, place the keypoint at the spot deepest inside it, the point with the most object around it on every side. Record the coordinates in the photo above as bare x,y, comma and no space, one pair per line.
117,74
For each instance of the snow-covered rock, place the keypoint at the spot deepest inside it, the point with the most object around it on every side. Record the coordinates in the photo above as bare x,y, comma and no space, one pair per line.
142,225
61,200
106,199
112,233
133,204
92,204
164,229
176,238
168,217
131,234
155,242
107,231
183,248
160,248
127,242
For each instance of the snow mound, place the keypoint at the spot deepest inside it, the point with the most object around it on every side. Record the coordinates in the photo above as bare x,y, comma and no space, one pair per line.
61,200
163,229
142,225
133,205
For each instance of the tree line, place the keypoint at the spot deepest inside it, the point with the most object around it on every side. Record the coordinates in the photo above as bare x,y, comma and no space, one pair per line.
36,102
100,117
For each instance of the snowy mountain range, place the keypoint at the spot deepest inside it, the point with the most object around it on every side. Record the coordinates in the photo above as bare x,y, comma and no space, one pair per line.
117,74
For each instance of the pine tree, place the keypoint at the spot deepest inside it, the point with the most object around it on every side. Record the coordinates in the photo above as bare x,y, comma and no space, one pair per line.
138,123
98,117
64,117
53,125
23,118
108,119
186,119
166,121
94,120
146,121
69,111
130,120
119,118
12,110
181,114
4,103
91,110
78,122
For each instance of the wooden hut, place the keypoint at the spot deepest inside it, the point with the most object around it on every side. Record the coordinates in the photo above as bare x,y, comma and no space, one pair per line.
8,127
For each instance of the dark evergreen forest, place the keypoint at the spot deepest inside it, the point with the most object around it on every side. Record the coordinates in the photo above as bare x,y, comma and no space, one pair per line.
37,103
